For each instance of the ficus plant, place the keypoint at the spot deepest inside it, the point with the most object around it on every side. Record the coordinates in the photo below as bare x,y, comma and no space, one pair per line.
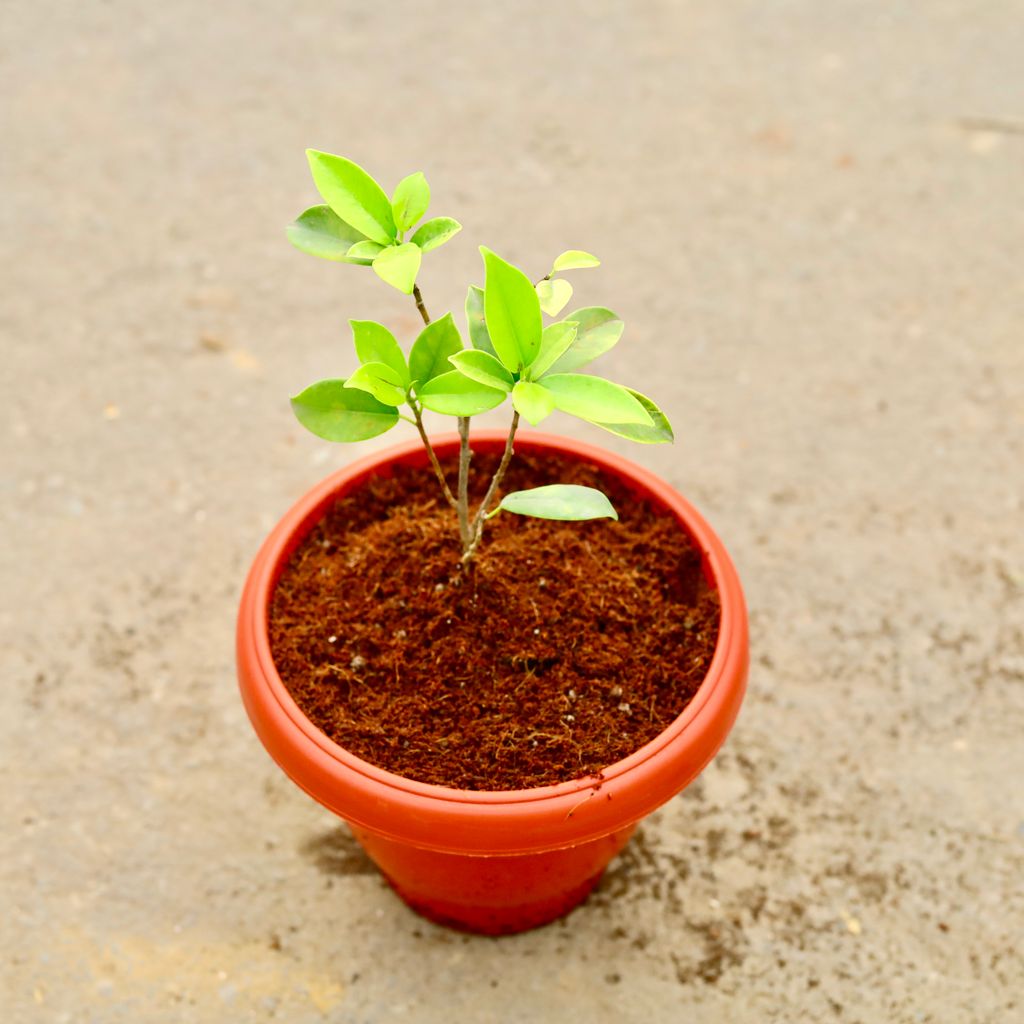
513,355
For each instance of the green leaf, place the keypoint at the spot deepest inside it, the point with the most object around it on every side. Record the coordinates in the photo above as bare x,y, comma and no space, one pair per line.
559,501
336,413
533,401
379,380
595,399
483,368
435,232
366,250
319,231
660,431
512,311
553,295
598,331
399,265
428,357
374,343
554,340
455,395
410,201
475,320
353,195
574,259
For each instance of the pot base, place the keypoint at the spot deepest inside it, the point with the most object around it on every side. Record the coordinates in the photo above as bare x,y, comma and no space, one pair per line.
493,895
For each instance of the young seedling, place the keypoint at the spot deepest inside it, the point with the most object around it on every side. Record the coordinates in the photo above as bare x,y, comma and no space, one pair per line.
513,355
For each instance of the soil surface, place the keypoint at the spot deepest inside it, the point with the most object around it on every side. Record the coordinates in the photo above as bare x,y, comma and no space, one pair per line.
563,649
809,217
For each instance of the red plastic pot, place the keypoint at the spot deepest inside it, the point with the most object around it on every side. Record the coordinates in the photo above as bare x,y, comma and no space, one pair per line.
490,862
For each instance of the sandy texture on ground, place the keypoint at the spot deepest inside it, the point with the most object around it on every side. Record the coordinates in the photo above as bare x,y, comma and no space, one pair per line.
810,216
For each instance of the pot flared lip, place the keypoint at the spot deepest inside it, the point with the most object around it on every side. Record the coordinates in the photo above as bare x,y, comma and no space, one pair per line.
305,741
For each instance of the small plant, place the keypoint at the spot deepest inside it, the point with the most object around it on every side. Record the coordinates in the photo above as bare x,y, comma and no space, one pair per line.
513,355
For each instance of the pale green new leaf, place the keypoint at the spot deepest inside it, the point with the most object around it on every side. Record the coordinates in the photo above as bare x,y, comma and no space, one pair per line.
434,232
399,265
553,295
455,395
595,399
574,259
475,320
336,413
379,380
410,201
429,355
374,343
554,340
512,311
559,501
598,330
533,401
366,250
353,195
319,231
483,368
659,432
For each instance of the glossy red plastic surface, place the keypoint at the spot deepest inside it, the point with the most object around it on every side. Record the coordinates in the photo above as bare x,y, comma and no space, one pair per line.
492,862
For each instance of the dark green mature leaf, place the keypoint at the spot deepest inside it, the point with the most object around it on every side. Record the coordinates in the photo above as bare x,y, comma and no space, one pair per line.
455,395
336,413
559,501
319,231
555,339
399,265
429,355
595,399
475,320
659,432
353,195
554,295
512,311
410,201
374,343
483,368
379,380
435,232
599,329
533,401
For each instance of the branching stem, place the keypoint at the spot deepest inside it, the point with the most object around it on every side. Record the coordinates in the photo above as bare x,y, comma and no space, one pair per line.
477,527
471,529
465,454
417,411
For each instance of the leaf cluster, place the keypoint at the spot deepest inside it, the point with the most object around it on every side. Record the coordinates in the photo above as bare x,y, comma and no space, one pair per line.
360,225
511,354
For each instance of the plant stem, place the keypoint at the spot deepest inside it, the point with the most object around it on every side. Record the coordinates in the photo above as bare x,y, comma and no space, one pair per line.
465,454
417,411
417,295
461,505
432,455
477,527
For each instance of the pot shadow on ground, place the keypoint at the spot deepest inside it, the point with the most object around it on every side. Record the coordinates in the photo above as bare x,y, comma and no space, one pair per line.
644,872
336,852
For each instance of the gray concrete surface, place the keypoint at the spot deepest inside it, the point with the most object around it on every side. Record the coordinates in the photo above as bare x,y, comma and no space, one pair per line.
810,216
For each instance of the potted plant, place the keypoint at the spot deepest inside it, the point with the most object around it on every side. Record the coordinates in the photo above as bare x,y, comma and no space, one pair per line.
491,705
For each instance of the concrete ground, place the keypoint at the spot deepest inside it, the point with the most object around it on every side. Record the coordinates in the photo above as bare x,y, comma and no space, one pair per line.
810,216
